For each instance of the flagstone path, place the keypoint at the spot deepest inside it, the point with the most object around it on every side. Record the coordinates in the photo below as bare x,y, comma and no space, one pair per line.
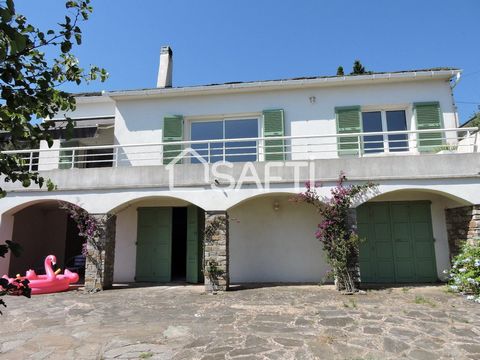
271,322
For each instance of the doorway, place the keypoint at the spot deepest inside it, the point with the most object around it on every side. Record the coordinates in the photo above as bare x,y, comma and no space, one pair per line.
169,244
398,246
179,244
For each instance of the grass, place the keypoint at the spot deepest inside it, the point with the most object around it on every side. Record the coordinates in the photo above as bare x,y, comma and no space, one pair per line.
146,355
351,304
421,300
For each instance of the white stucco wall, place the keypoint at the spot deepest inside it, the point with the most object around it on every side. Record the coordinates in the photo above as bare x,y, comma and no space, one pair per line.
275,246
90,107
126,236
141,120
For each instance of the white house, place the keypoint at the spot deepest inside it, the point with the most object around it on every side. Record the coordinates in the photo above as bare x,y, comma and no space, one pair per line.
237,154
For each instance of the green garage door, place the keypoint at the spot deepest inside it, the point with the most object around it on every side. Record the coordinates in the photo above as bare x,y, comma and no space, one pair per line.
398,244
154,244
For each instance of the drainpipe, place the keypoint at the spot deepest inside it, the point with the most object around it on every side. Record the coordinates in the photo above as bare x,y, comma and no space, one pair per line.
452,86
457,80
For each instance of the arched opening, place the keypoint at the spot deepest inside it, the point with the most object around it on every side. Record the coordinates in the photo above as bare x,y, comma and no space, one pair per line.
406,236
158,239
43,228
272,240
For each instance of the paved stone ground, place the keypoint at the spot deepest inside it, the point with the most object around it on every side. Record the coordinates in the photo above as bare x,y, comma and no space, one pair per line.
283,322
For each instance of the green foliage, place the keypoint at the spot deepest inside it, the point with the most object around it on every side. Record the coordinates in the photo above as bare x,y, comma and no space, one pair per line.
146,355
340,71
475,120
464,276
11,246
18,286
421,300
358,68
30,81
340,241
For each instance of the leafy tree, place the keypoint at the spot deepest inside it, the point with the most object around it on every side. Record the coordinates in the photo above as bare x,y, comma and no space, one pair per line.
358,68
340,71
29,90
18,286
475,120
30,81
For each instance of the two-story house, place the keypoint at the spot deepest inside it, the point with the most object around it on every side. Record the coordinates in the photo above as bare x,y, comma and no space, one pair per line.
168,162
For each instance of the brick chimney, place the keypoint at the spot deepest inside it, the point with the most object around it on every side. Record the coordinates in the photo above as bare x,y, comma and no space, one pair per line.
164,79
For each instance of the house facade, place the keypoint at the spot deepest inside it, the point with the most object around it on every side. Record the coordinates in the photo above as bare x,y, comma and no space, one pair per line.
194,176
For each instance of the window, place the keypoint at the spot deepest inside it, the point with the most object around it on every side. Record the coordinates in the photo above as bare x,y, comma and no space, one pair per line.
233,151
382,121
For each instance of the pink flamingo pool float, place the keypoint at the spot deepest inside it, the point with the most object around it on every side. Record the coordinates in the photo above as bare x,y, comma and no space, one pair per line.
49,283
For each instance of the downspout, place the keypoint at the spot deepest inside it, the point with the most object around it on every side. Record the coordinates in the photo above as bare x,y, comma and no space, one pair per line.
455,82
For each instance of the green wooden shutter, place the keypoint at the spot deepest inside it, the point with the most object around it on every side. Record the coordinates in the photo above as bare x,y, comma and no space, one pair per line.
273,125
348,121
195,230
192,244
172,131
65,156
154,244
428,116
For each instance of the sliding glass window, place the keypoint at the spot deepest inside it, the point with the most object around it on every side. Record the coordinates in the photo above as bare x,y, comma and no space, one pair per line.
233,151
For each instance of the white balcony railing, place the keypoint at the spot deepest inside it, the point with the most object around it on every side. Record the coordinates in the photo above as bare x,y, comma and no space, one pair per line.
303,147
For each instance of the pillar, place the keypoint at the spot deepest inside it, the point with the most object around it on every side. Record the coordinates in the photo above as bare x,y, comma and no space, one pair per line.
101,255
463,224
353,265
216,259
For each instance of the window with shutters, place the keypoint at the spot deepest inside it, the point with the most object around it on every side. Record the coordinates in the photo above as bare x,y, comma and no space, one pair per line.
383,121
223,129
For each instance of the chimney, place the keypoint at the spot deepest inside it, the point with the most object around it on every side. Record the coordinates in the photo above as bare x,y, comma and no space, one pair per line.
164,79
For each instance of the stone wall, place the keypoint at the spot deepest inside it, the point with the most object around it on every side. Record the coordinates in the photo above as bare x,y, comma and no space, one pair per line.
463,223
101,257
216,252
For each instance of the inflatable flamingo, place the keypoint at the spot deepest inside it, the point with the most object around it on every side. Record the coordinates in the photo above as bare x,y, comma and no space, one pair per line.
49,283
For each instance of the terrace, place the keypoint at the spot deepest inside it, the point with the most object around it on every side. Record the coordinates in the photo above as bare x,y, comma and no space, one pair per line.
259,149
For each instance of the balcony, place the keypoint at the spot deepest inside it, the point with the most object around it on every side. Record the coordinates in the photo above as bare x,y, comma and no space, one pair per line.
304,147
197,164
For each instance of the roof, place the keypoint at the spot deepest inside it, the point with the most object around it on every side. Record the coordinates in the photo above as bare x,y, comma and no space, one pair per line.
439,72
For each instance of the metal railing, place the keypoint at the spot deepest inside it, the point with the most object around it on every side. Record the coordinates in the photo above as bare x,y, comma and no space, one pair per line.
299,147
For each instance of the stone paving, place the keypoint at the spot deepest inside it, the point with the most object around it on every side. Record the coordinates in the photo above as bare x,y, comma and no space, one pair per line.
277,322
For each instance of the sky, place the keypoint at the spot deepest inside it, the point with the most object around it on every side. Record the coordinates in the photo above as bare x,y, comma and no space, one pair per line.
217,41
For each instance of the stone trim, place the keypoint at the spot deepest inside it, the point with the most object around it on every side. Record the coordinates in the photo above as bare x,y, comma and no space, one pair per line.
216,251
463,224
101,258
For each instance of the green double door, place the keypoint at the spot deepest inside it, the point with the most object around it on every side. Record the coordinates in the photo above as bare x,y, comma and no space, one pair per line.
154,244
398,245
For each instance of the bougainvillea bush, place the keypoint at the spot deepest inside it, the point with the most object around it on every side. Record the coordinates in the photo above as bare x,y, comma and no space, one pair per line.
464,276
339,239
91,228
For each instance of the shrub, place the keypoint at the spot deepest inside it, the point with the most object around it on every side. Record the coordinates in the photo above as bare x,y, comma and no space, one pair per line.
340,241
464,276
